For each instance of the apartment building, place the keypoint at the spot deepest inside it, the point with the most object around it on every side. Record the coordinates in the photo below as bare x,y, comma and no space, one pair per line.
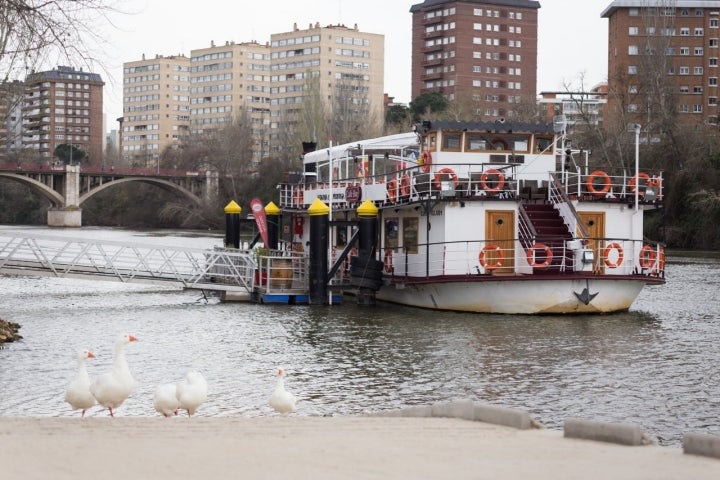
229,82
663,55
11,97
480,51
156,108
63,106
344,64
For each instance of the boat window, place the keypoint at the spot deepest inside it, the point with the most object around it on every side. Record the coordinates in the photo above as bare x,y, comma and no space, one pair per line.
410,235
544,144
431,142
476,142
451,141
391,234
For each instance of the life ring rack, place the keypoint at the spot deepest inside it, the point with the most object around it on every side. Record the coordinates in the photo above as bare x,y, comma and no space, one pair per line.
404,188
606,253
635,181
495,249
448,171
425,161
500,180
531,255
392,190
604,177
388,261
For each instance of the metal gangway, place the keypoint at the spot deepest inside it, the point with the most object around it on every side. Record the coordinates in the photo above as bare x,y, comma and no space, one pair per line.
191,268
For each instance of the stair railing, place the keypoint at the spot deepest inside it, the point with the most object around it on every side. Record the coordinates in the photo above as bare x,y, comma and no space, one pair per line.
527,232
562,203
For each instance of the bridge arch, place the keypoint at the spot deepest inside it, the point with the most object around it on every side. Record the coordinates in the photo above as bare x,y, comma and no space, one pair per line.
164,184
54,197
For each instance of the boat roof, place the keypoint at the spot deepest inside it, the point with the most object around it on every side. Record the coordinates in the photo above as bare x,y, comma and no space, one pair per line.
389,142
498,126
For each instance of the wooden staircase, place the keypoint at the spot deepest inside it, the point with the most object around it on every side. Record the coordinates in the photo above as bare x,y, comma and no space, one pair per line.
551,231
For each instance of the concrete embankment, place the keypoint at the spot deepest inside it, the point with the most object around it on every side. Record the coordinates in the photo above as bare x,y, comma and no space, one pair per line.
439,441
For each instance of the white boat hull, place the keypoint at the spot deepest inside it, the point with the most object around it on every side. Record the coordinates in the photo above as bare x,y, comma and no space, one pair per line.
556,296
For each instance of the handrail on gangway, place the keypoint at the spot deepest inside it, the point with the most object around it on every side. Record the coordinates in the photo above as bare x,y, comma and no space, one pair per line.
192,268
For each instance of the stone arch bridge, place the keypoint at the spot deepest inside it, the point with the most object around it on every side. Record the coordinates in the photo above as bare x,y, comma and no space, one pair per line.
67,187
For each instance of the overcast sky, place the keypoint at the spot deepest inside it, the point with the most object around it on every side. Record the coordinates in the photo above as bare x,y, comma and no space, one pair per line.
572,39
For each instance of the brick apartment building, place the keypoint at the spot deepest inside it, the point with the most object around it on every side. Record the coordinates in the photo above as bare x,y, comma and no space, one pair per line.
663,55
483,51
63,106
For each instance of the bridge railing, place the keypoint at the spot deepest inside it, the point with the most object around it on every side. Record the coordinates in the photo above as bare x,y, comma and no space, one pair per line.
47,255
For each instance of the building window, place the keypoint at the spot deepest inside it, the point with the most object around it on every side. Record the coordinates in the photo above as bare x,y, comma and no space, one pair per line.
714,22
684,50
697,89
633,12
683,108
699,51
632,108
713,62
712,101
684,89
632,70
697,108
699,32
633,89
713,81
713,43
632,50
698,70
685,32
684,70
632,31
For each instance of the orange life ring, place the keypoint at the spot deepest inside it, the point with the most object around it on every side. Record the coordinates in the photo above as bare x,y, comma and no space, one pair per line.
491,248
405,185
531,255
449,171
634,181
608,250
425,161
648,256
388,261
392,190
298,197
605,183
500,180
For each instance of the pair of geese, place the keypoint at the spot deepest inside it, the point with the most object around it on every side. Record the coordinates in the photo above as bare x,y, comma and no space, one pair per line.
111,389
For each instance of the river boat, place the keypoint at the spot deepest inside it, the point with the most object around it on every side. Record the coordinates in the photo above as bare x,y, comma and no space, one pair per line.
487,217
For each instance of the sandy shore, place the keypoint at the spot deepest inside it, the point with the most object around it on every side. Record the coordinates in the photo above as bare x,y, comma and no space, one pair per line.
321,448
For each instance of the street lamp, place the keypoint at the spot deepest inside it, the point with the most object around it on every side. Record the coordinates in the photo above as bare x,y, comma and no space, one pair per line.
637,166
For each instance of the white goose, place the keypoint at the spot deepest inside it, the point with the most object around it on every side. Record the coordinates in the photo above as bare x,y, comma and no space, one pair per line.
282,400
78,393
111,389
165,400
192,391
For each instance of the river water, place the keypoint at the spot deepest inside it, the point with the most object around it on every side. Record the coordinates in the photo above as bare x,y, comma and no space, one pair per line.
656,365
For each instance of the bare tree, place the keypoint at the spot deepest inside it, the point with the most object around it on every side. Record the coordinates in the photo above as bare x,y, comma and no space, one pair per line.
35,31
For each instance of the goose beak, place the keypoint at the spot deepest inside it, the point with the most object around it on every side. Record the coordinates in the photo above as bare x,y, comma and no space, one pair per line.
132,338
90,355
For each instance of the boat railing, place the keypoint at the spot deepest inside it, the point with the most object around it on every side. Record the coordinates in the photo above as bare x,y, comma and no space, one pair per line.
557,195
282,272
413,182
546,255
614,185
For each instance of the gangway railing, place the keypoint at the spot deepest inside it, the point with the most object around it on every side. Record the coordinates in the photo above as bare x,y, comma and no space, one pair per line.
191,268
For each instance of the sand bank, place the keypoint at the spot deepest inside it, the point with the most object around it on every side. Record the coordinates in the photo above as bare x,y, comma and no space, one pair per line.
321,448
